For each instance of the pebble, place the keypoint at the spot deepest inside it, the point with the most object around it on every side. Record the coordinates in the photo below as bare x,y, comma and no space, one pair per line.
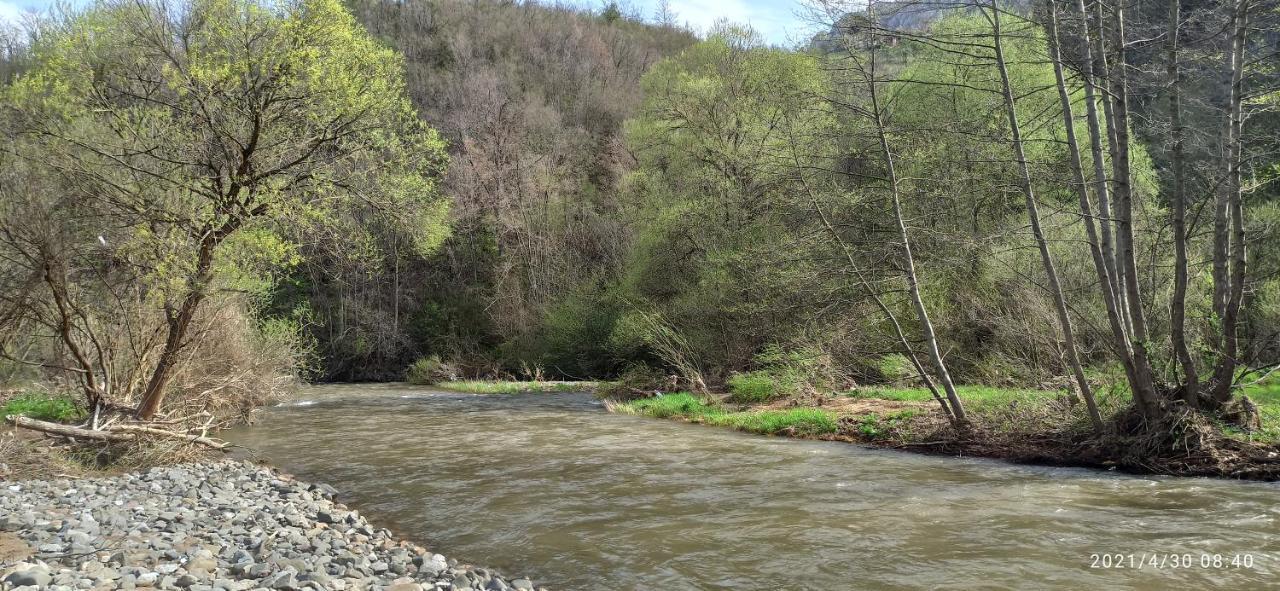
213,526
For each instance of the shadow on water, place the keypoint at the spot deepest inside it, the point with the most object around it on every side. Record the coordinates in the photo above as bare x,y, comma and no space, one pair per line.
552,486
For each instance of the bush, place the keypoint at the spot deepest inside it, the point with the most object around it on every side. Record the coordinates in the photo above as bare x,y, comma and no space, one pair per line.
637,380
783,374
42,406
430,370
897,369
761,386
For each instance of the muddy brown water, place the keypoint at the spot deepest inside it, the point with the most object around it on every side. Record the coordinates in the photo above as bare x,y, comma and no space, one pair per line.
553,487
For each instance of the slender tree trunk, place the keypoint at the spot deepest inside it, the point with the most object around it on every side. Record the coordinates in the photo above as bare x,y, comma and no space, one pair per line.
1178,306
1144,388
1224,375
179,322
913,287
1119,339
1033,213
1101,187
1108,206
898,331
909,265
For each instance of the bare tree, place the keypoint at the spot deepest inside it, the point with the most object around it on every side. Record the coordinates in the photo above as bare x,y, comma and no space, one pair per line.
1033,213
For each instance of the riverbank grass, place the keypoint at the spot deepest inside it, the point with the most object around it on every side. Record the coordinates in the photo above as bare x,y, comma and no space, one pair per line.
43,406
515,387
682,405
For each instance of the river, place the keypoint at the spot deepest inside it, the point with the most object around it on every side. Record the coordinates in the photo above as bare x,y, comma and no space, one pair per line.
553,487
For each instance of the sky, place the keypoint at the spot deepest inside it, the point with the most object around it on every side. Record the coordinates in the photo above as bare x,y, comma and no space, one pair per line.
781,22
776,20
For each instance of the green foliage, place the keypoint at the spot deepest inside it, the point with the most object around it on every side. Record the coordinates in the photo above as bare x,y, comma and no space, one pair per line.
796,421
576,332
783,373
508,387
218,136
975,395
716,253
61,408
611,13
757,386
430,370
896,368
877,426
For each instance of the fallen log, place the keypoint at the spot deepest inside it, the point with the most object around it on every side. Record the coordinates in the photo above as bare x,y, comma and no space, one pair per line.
215,444
113,433
68,430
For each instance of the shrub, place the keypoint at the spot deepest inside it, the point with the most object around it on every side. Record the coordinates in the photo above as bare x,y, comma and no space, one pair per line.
876,426
897,369
761,386
430,370
42,406
783,373
637,380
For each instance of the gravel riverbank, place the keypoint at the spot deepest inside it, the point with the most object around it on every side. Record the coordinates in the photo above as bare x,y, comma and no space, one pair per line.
212,526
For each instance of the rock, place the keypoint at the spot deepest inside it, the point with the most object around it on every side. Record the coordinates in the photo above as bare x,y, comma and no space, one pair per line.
34,576
220,526
524,584
285,580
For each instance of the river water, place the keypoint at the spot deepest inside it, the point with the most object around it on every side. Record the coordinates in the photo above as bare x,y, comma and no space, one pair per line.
553,487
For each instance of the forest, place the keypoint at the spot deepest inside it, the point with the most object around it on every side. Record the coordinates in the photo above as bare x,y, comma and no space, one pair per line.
205,202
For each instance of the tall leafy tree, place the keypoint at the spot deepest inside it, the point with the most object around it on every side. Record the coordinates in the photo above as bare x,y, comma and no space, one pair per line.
194,130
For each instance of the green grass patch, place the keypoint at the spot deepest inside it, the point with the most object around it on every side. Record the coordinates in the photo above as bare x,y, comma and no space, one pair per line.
511,387
968,394
43,406
798,421
1266,394
878,426
756,386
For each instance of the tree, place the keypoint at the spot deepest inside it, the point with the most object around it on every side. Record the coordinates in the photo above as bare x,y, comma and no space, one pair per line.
1033,213
720,242
189,127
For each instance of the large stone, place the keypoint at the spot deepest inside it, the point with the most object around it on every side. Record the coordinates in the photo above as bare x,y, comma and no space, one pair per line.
285,581
32,576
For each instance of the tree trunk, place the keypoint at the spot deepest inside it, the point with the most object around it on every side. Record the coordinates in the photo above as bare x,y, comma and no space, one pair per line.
1108,206
1178,306
1144,386
909,266
179,322
1224,374
1101,187
1119,339
898,331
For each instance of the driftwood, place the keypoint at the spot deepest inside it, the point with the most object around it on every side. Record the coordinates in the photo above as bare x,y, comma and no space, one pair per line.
113,433
68,430
215,444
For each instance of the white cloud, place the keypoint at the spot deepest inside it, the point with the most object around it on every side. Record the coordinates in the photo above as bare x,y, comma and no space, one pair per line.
10,13
776,21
